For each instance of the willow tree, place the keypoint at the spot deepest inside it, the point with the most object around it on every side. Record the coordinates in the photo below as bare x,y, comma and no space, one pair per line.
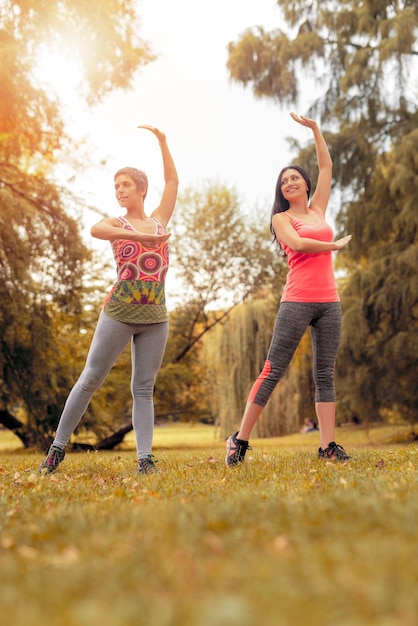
358,60
42,257
235,354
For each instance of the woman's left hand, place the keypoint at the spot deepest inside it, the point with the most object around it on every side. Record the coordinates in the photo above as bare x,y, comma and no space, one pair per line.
152,241
158,133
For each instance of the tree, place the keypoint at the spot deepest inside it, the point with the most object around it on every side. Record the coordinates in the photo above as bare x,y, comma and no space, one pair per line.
221,258
380,333
235,354
42,257
41,277
359,59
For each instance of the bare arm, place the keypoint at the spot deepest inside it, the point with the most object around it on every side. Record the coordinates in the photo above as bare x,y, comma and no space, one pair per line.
165,209
288,235
111,229
322,192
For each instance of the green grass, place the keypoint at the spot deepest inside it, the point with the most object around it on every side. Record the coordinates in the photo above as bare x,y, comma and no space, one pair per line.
282,540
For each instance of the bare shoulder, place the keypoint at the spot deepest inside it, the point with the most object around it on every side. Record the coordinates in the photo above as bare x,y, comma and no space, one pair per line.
282,218
282,224
111,221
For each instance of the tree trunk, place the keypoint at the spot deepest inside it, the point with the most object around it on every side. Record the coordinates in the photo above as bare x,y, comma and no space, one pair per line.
29,439
109,443
18,428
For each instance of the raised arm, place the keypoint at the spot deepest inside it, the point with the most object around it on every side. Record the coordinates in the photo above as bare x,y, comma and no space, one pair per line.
320,197
165,209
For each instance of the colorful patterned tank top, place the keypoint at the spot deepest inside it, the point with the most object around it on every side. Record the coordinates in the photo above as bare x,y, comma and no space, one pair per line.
138,295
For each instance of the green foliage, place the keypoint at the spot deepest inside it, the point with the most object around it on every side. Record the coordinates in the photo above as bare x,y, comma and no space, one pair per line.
234,355
359,61
380,334
220,259
199,543
221,256
361,58
181,391
42,257
41,265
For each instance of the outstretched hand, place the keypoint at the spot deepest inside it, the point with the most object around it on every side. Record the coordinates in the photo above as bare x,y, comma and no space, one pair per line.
341,243
304,121
152,241
158,133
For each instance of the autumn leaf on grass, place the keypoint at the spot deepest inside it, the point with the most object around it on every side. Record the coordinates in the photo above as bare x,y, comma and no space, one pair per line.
214,542
66,558
153,494
29,553
281,543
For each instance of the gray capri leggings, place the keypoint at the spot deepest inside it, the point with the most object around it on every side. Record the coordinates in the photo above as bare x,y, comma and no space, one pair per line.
148,343
292,320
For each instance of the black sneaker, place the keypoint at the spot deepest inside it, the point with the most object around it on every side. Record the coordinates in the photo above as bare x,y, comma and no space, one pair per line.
235,450
53,459
147,465
333,452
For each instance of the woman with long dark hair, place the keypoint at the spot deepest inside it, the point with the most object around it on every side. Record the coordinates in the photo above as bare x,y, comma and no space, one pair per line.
310,299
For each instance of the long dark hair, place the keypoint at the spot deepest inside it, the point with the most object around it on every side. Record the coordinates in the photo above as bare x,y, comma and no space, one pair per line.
280,203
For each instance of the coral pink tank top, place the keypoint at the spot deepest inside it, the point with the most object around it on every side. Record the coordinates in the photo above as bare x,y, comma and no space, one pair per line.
311,276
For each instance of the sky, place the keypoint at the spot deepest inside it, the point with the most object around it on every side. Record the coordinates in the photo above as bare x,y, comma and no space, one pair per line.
216,129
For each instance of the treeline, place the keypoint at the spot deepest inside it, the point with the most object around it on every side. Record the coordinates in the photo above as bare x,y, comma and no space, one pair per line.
363,56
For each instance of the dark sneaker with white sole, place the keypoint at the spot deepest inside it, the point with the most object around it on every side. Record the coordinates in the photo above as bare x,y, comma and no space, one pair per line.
333,452
147,465
235,450
53,459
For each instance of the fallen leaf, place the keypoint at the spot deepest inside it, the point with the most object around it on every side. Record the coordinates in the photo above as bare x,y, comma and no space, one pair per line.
65,558
27,552
281,543
7,543
213,541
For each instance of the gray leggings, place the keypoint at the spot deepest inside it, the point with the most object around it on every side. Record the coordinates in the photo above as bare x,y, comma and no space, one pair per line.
148,343
291,322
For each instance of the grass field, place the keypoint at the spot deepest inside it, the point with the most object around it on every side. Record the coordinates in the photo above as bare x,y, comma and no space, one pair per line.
284,539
